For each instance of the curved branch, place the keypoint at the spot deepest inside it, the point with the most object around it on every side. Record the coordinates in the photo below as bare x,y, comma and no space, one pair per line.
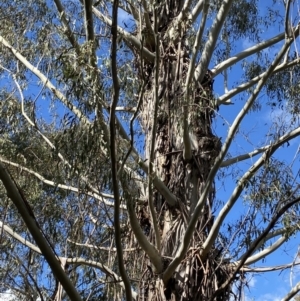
100,248
197,10
292,292
113,151
245,53
18,237
243,157
103,268
270,235
149,249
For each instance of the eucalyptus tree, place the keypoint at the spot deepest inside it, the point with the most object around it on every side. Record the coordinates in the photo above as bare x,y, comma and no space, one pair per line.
112,161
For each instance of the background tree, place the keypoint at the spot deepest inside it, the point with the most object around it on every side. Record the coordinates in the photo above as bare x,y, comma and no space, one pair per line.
112,168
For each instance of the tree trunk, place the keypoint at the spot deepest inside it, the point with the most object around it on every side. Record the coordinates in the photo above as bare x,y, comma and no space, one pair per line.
194,279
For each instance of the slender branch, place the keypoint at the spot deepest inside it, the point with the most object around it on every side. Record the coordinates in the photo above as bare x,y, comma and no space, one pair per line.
260,255
14,194
223,100
129,38
153,134
212,40
271,225
98,196
88,20
45,81
292,292
100,248
149,249
246,269
66,26
245,53
270,235
113,151
197,10
103,268
187,154
243,157
281,140
18,237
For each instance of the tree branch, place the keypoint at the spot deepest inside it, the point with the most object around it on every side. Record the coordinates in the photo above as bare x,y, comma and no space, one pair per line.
149,249
67,29
14,194
281,140
100,248
197,10
88,20
98,196
212,40
130,39
154,133
45,81
223,100
246,269
245,53
113,151
292,292
260,255
103,268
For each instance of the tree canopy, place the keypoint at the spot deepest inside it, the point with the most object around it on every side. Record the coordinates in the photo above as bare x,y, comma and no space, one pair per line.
148,149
